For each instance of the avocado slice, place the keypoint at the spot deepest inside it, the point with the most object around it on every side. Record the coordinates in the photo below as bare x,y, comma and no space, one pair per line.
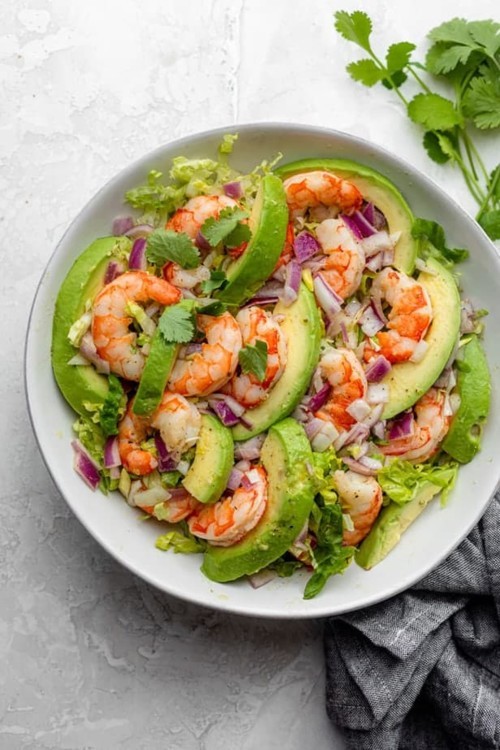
268,223
390,524
473,384
79,384
375,188
408,381
302,327
285,455
207,478
157,369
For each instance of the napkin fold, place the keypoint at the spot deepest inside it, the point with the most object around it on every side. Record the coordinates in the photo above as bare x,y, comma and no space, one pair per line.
422,670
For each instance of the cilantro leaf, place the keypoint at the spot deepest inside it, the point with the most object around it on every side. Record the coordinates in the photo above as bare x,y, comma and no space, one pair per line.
217,280
330,556
455,30
486,34
434,112
490,222
365,71
441,58
254,359
177,323
241,233
216,231
398,56
397,79
355,27
433,148
214,308
434,234
113,407
482,102
166,245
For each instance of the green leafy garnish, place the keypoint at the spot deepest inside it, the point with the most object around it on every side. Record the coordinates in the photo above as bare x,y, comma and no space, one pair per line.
435,243
217,280
401,480
166,245
253,359
214,308
177,324
113,407
181,542
227,228
466,55
330,557
285,568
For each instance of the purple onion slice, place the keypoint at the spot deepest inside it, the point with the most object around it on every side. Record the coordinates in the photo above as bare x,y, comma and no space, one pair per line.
165,460
85,465
111,453
305,246
137,259
378,368
122,225
402,426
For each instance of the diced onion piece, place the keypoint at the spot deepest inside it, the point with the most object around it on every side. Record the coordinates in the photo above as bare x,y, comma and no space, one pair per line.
242,465
313,427
420,351
249,450
112,453
305,246
78,359
358,409
88,350
370,463
352,308
375,263
80,328
139,230
234,405
402,426
320,398
374,415
378,430
292,283
447,408
325,437
358,467
235,478
166,462
370,322
233,189
328,300
137,259
388,257
378,368
183,467
455,401
152,496
114,269
121,225
377,243
85,465
224,412
202,243
377,393
256,580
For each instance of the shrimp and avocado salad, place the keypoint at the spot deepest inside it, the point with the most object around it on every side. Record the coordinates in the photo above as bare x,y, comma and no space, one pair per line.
278,366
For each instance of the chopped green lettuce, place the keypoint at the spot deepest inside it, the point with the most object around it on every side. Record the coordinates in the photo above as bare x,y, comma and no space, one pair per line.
401,480
113,407
330,557
180,541
91,437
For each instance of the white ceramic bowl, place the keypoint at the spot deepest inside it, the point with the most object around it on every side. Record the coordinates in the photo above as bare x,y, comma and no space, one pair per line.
119,529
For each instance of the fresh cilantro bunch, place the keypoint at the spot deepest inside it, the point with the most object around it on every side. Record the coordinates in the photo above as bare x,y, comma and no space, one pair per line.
466,54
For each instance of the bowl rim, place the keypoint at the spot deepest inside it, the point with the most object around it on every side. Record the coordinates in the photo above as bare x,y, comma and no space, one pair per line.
178,143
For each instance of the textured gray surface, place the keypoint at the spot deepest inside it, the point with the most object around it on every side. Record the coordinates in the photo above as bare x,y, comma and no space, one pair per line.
92,657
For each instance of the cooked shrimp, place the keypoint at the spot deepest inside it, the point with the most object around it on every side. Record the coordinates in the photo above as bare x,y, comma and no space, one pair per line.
185,278
201,373
132,431
345,374
193,215
345,258
233,516
257,325
178,421
432,422
313,189
179,505
361,498
409,317
114,342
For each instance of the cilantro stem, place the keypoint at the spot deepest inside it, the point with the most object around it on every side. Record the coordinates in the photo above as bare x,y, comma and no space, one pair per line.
477,156
388,76
417,78
468,151
487,198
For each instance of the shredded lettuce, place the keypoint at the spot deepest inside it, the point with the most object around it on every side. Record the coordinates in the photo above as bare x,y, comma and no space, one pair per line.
79,329
401,480
180,541
113,407
91,437
285,568
330,557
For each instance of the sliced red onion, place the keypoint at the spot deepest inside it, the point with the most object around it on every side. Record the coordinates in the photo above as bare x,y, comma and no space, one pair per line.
122,225
305,246
249,450
378,430
279,274
115,472
325,437
256,580
370,463
243,465
358,467
233,189
358,409
292,283
88,350
270,289
234,480
326,297
352,307
315,264
139,230
165,460
388,258
374,415
376,303
402,426
114,269
370,322
262,301
85,465
357,434
374,216
377,243
352,225
234,405
420,351
202,243
375,263
360,221
320,398
224,412
137,259
447,408
112,453
313,427
377,393
378,368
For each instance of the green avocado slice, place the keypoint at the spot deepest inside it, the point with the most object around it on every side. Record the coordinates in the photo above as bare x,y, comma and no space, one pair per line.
285,455
375,188
207,478
268,223
408,381
157,369
390,524
474,387
79,384
302,327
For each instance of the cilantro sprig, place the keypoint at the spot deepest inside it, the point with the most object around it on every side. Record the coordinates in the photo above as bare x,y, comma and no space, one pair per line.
166,245
466,54
228,228
253,359
177,324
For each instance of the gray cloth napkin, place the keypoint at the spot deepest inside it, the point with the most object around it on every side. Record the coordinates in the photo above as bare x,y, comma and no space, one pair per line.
422,670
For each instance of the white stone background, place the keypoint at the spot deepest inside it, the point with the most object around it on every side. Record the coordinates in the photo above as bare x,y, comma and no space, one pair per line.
91,656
